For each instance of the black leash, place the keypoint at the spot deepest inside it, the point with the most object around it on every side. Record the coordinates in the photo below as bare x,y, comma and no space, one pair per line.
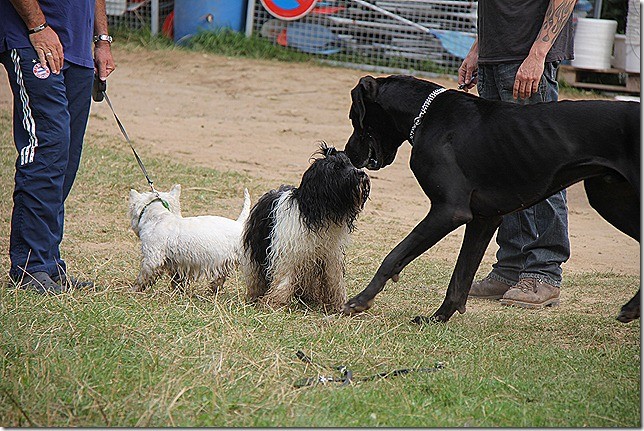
465,84
346,375
99,92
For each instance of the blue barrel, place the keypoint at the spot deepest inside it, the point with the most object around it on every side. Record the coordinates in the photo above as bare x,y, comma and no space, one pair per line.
193,16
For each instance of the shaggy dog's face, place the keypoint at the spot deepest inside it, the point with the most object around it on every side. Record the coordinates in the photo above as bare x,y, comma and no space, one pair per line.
374,142
332,189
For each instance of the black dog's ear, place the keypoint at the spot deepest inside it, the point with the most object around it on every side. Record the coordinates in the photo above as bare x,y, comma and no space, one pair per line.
365,91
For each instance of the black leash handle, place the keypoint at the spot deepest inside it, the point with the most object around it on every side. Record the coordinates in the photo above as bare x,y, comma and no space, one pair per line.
465,84
99,92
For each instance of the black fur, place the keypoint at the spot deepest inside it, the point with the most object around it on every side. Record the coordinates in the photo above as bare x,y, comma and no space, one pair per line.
257,230
328,192
478,159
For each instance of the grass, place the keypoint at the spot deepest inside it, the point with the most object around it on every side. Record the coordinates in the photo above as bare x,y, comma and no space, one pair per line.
108,358
225,42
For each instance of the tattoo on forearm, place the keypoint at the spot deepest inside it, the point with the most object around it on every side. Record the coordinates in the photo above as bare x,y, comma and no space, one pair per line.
555,19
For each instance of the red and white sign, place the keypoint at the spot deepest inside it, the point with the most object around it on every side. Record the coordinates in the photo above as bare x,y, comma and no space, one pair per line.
288,10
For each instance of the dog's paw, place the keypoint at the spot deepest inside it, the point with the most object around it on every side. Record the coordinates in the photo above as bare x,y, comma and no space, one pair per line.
137,288
395,278
356,305
626,316
437,317
424,320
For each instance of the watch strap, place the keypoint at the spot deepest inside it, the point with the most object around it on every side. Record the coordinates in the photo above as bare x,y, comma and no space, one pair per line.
38,29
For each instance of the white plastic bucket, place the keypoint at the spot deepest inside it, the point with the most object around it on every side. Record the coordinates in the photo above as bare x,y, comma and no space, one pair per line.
594,43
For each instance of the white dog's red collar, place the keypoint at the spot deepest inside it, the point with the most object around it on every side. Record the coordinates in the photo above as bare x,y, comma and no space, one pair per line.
423,110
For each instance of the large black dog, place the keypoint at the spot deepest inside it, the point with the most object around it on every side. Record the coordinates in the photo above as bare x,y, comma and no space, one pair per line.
477,160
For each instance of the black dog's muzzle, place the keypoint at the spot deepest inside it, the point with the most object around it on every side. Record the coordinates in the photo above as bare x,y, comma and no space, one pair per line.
372,163
372,158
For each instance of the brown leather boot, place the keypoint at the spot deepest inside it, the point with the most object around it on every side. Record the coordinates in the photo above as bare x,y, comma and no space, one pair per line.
531,293
488,288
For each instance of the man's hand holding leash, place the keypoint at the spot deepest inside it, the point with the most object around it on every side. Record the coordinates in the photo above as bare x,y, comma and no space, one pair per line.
468,72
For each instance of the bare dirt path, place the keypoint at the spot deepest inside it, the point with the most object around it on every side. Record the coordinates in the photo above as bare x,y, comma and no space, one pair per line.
266,118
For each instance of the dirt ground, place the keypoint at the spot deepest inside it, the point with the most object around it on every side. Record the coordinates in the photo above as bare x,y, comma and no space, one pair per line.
266,118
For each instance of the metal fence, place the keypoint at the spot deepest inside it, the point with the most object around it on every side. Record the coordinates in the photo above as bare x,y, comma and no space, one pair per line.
408,35
149,15
421,35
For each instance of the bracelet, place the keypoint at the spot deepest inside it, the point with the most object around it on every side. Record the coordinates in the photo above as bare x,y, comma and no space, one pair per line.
38,29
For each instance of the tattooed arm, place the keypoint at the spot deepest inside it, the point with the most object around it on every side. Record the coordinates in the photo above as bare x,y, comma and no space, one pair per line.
529,74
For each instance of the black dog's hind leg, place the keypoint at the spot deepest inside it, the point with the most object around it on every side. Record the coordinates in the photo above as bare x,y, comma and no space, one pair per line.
619,203
435,226
478,234
616,201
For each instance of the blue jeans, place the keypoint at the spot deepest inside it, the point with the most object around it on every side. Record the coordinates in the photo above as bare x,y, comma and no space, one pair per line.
49,120
533,242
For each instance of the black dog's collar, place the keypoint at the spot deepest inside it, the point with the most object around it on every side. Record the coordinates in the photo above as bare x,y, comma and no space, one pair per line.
423,110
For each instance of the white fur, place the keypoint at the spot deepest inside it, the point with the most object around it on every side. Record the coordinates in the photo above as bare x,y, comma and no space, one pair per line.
186,248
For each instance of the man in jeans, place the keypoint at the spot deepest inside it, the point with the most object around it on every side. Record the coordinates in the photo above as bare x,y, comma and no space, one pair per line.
514,58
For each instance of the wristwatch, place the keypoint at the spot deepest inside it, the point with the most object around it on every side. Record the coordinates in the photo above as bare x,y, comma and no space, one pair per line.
38,29
103,37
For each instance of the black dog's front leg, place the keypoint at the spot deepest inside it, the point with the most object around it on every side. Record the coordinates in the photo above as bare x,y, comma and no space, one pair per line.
631,310
478,234
428,232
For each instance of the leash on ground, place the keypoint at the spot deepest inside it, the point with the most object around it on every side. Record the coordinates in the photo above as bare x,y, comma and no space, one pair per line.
99,92
346,375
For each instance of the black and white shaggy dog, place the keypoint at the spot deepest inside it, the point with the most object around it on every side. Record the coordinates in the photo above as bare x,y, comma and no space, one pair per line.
295,237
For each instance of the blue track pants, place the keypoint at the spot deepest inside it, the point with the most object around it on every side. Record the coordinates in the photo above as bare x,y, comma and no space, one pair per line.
50,114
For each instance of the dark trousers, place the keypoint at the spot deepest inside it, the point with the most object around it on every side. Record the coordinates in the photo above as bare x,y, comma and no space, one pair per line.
533,242
50,114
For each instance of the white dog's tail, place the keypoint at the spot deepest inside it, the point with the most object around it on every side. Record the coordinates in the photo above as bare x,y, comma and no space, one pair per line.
246,209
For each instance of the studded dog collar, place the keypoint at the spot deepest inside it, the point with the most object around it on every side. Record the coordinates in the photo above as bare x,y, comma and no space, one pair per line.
423,110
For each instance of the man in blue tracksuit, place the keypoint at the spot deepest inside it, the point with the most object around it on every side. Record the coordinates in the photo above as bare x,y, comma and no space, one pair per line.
50,50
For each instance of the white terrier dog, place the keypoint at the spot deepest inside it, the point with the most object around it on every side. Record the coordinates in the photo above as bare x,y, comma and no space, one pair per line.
186,248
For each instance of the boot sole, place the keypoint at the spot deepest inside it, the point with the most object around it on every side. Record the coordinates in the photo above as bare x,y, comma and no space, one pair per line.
490,297
548,303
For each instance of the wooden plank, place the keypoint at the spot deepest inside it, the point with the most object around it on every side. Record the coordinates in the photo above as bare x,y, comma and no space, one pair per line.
587,78
601,87
633,83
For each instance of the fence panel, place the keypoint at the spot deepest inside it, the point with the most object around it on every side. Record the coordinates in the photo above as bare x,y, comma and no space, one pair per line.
421,35
139,14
